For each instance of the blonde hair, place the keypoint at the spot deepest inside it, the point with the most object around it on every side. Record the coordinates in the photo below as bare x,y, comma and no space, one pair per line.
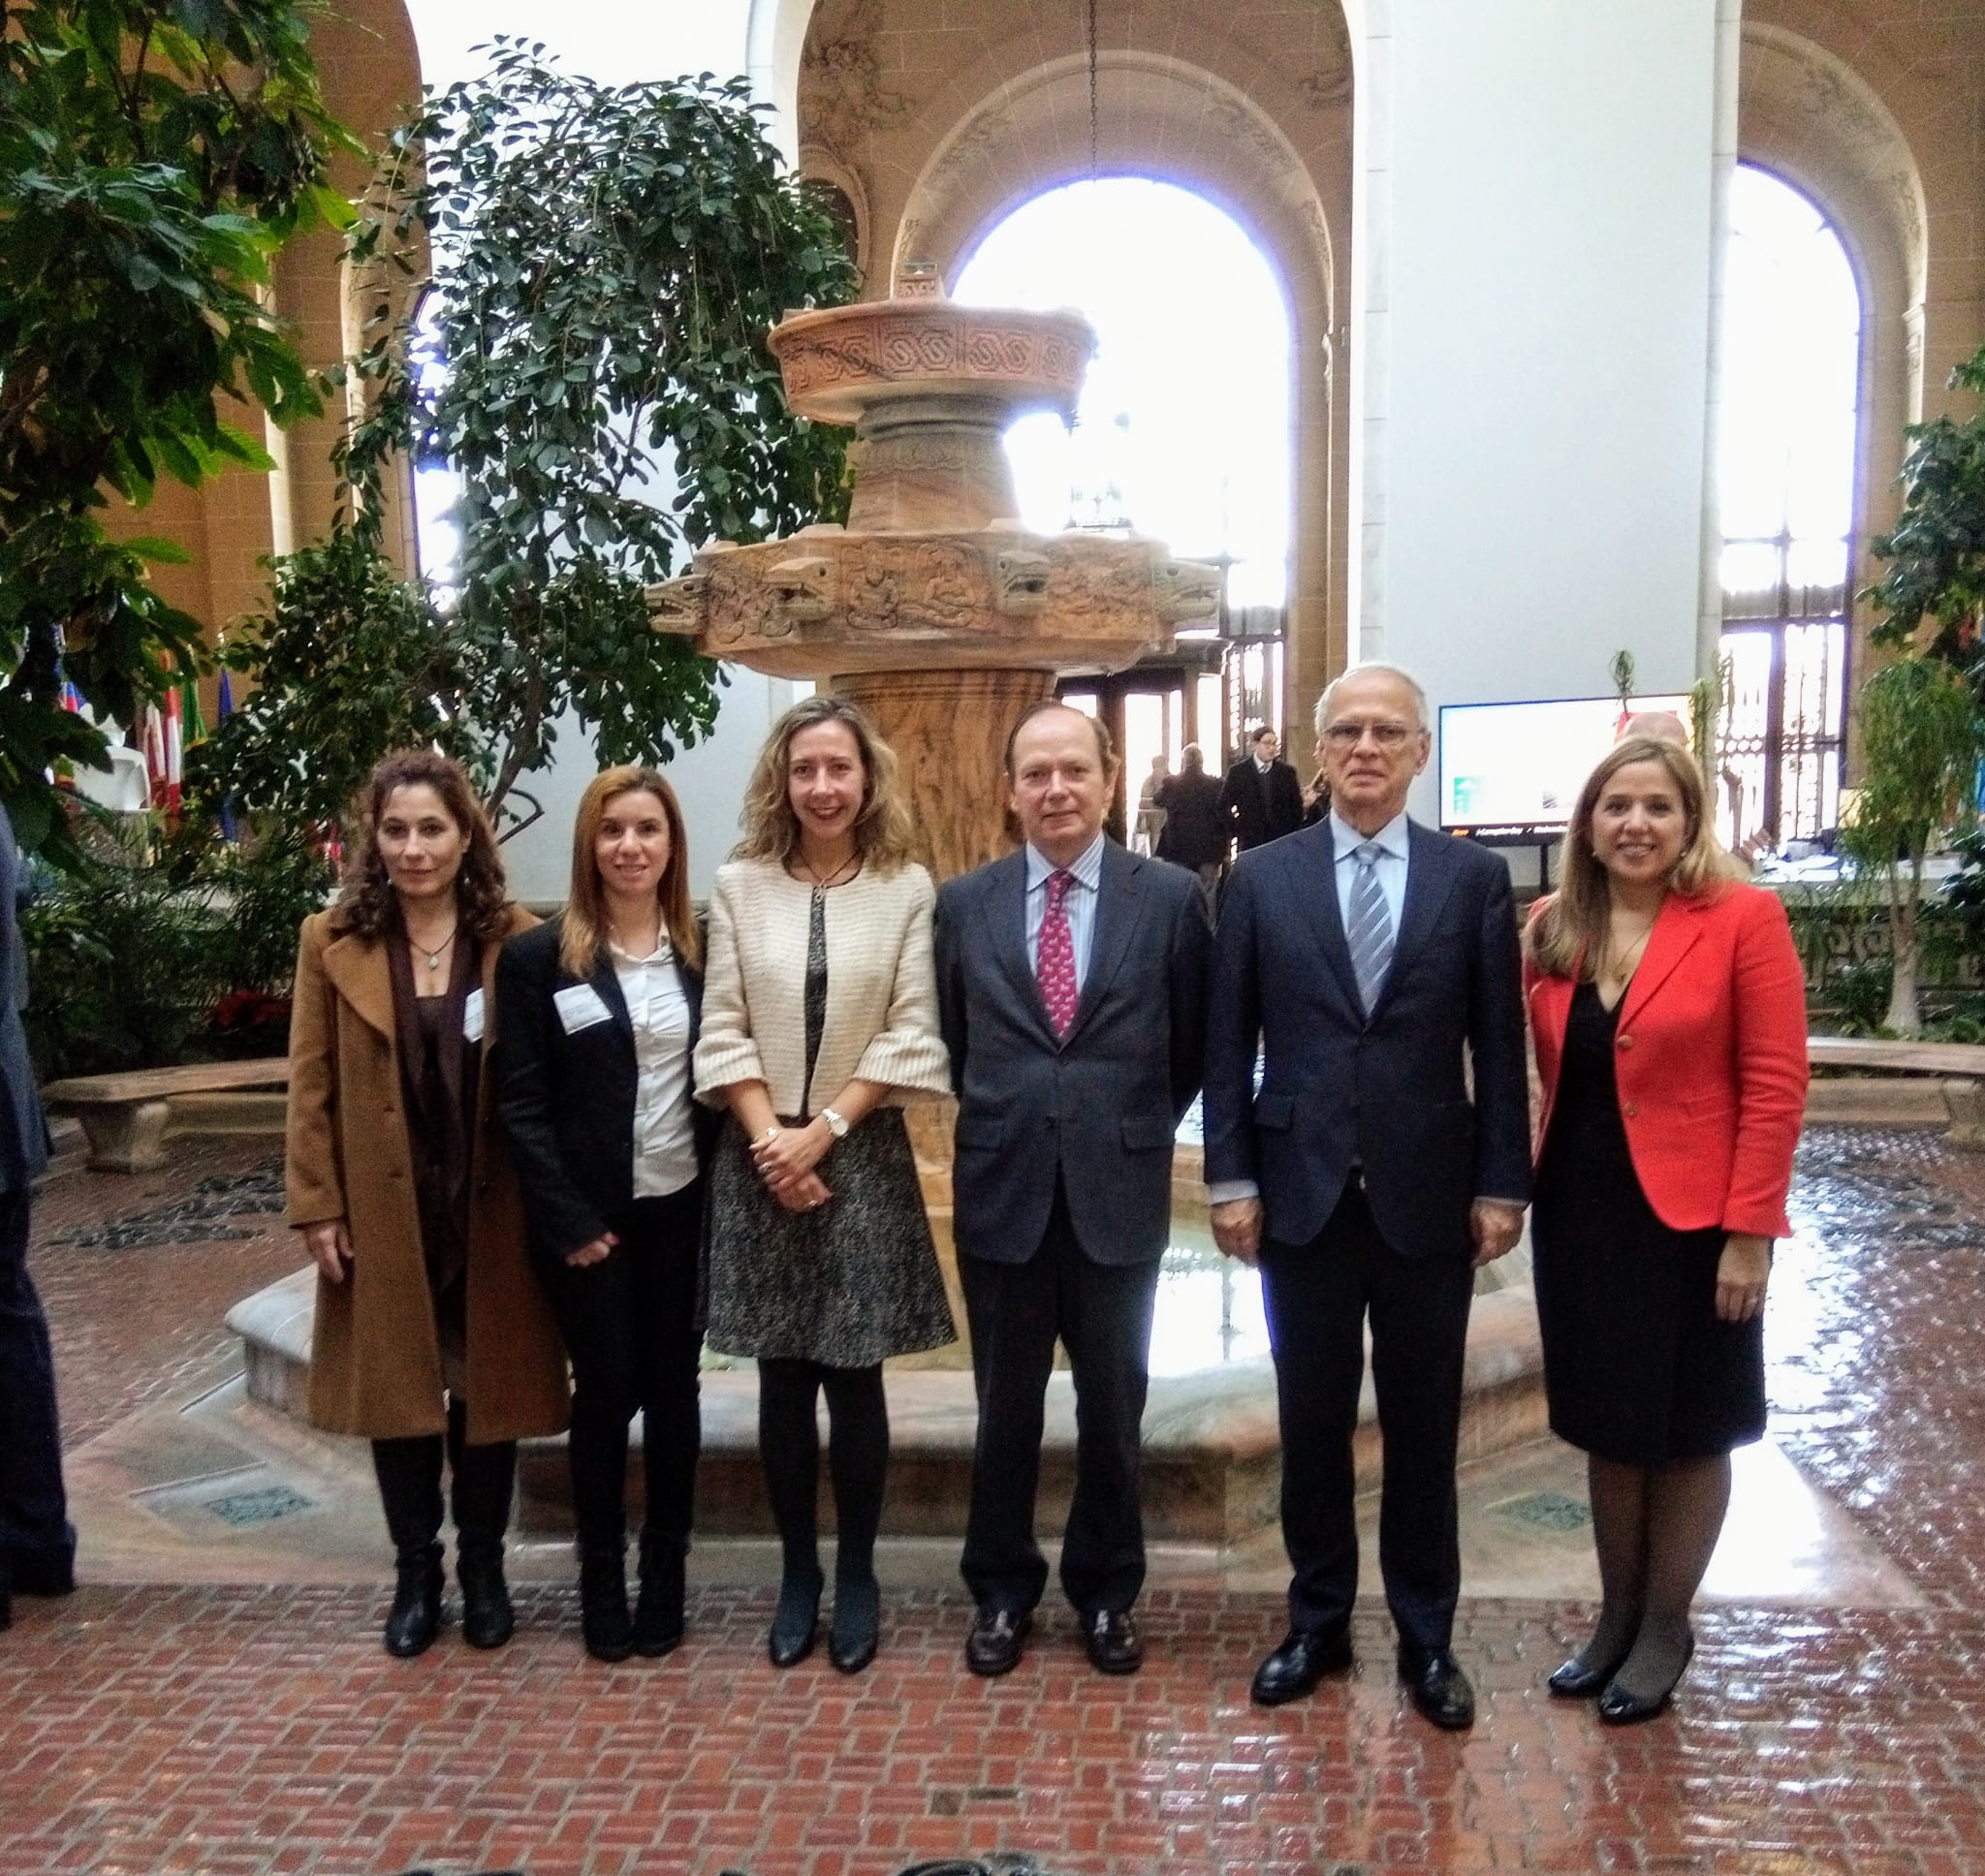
1568,934
884,833
583,928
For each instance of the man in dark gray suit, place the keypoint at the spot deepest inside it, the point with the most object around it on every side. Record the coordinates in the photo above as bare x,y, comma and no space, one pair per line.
37,1542
1071,981
1374,964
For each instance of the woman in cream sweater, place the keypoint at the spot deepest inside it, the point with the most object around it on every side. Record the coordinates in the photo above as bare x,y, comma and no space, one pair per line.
819,1020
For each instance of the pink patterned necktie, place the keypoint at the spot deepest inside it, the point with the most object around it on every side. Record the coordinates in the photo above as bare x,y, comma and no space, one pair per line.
1054,961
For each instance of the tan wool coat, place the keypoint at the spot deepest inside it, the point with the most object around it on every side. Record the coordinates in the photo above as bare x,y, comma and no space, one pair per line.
375,1361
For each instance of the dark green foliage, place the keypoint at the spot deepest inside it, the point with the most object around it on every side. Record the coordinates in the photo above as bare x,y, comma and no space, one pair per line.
153,159
132,951
1935,575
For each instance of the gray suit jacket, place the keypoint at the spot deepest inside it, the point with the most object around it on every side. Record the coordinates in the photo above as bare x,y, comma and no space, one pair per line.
1429,1094
23,1133
1099,1107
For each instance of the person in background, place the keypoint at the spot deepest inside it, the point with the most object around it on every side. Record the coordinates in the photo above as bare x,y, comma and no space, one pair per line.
819,1020
599,1011
37,1540
1072,984
430,1332
1372,966
1261,796
1668,1009
1196,833
1150,816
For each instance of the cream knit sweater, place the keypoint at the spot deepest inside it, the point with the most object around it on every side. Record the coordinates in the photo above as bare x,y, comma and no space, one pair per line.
881,988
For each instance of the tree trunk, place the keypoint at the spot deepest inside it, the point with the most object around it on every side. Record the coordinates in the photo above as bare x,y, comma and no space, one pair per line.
1904,1015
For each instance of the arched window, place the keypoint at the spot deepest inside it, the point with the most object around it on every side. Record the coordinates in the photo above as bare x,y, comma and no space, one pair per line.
1789,396
1186,432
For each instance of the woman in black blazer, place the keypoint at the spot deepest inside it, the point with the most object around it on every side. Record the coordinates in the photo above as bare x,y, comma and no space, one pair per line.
600,1011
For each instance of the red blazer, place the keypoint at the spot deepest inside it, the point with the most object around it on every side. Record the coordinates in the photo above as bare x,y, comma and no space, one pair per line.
1710,1057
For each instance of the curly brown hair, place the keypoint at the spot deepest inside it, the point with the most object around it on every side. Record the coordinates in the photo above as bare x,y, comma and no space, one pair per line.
884,834
366,903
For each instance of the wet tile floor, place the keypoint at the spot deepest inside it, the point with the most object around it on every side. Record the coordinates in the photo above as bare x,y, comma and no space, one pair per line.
1832,1721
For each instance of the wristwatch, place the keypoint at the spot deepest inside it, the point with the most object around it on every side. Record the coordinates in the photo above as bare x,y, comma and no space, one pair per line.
836,1124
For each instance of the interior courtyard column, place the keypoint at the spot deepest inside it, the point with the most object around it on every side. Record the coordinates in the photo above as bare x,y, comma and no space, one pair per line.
1534,237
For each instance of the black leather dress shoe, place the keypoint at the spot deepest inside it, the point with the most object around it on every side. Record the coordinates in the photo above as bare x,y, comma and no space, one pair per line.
1439,1689
1113,1643
997,1637
1303,1659
1620,1707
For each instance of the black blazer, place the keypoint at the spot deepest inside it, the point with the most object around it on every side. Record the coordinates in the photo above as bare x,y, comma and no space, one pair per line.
24,1133
1100,1105
1430,1095
567,1101
1256,817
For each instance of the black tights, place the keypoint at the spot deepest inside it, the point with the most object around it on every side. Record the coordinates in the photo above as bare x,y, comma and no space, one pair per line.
1656,1528
483,1477
858,1457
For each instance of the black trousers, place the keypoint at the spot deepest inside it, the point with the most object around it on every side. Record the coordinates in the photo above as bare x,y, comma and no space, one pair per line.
37,1542
1103,1315
630,1326
1318,1295
482,1482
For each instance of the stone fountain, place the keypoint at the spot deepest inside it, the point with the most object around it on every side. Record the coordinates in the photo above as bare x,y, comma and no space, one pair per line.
934,607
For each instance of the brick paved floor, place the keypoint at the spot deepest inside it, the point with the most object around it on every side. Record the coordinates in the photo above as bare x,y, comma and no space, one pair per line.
248,1731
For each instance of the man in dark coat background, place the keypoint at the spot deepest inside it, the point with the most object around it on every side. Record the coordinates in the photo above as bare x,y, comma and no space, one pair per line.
37,1542
1261,796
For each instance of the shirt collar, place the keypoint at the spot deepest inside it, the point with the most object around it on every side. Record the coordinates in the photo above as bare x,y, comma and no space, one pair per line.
1087,866
1262,768
661,955
1391,838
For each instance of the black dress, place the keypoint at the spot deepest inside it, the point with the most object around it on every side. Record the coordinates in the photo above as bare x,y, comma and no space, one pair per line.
1637,1367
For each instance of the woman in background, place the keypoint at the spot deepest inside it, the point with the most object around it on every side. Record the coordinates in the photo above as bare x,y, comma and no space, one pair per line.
600,1009
1668,1008
820,1019
431,1334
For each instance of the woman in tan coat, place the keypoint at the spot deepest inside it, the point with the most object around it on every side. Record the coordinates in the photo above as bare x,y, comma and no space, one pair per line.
431,1333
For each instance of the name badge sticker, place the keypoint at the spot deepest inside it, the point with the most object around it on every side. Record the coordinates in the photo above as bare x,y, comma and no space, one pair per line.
579,1007
472,1017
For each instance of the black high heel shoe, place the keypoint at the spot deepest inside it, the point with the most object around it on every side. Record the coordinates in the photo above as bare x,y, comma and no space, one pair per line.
794,1622
1620,1707
852,1639
1578,1679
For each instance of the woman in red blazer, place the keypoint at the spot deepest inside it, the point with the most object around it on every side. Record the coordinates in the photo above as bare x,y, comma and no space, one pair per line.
1668,1009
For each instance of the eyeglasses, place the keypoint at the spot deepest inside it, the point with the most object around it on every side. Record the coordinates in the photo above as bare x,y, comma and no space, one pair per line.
1348,735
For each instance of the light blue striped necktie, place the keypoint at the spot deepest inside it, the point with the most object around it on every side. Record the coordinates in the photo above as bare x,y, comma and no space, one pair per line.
1369,928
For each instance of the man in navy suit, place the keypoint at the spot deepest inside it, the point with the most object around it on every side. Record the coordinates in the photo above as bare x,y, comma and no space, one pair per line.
37,1542
1071,985
1374,967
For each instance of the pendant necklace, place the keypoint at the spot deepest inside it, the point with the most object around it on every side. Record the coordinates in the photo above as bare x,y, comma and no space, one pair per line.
435,956
821,886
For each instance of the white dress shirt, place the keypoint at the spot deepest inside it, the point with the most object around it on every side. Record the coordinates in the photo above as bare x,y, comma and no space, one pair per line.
1080,903
664,1137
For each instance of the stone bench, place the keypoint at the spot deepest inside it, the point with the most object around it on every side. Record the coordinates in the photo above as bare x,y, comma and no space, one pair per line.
1958,1069
126,1116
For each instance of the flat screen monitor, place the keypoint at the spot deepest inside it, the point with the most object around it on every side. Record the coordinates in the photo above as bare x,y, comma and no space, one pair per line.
1518,768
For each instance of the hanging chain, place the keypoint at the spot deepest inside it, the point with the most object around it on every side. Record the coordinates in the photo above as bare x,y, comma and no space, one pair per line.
1092,90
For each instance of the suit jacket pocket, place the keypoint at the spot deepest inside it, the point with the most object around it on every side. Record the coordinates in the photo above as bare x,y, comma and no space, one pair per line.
1277,1112
1144,1133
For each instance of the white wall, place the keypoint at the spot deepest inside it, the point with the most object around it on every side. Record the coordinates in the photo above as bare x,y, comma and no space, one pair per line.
1536,180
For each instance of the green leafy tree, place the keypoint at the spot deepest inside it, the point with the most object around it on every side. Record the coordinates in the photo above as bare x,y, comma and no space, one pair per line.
588,354
1932,595
154,156
1921,739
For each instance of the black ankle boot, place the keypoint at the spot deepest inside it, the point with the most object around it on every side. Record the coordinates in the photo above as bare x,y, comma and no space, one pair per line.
658,1608
415,1618
488,1621
603,1604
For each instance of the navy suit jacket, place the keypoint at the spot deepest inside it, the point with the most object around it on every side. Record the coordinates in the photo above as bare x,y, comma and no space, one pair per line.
1097,1108
23,1133
567,1101
1391,1094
